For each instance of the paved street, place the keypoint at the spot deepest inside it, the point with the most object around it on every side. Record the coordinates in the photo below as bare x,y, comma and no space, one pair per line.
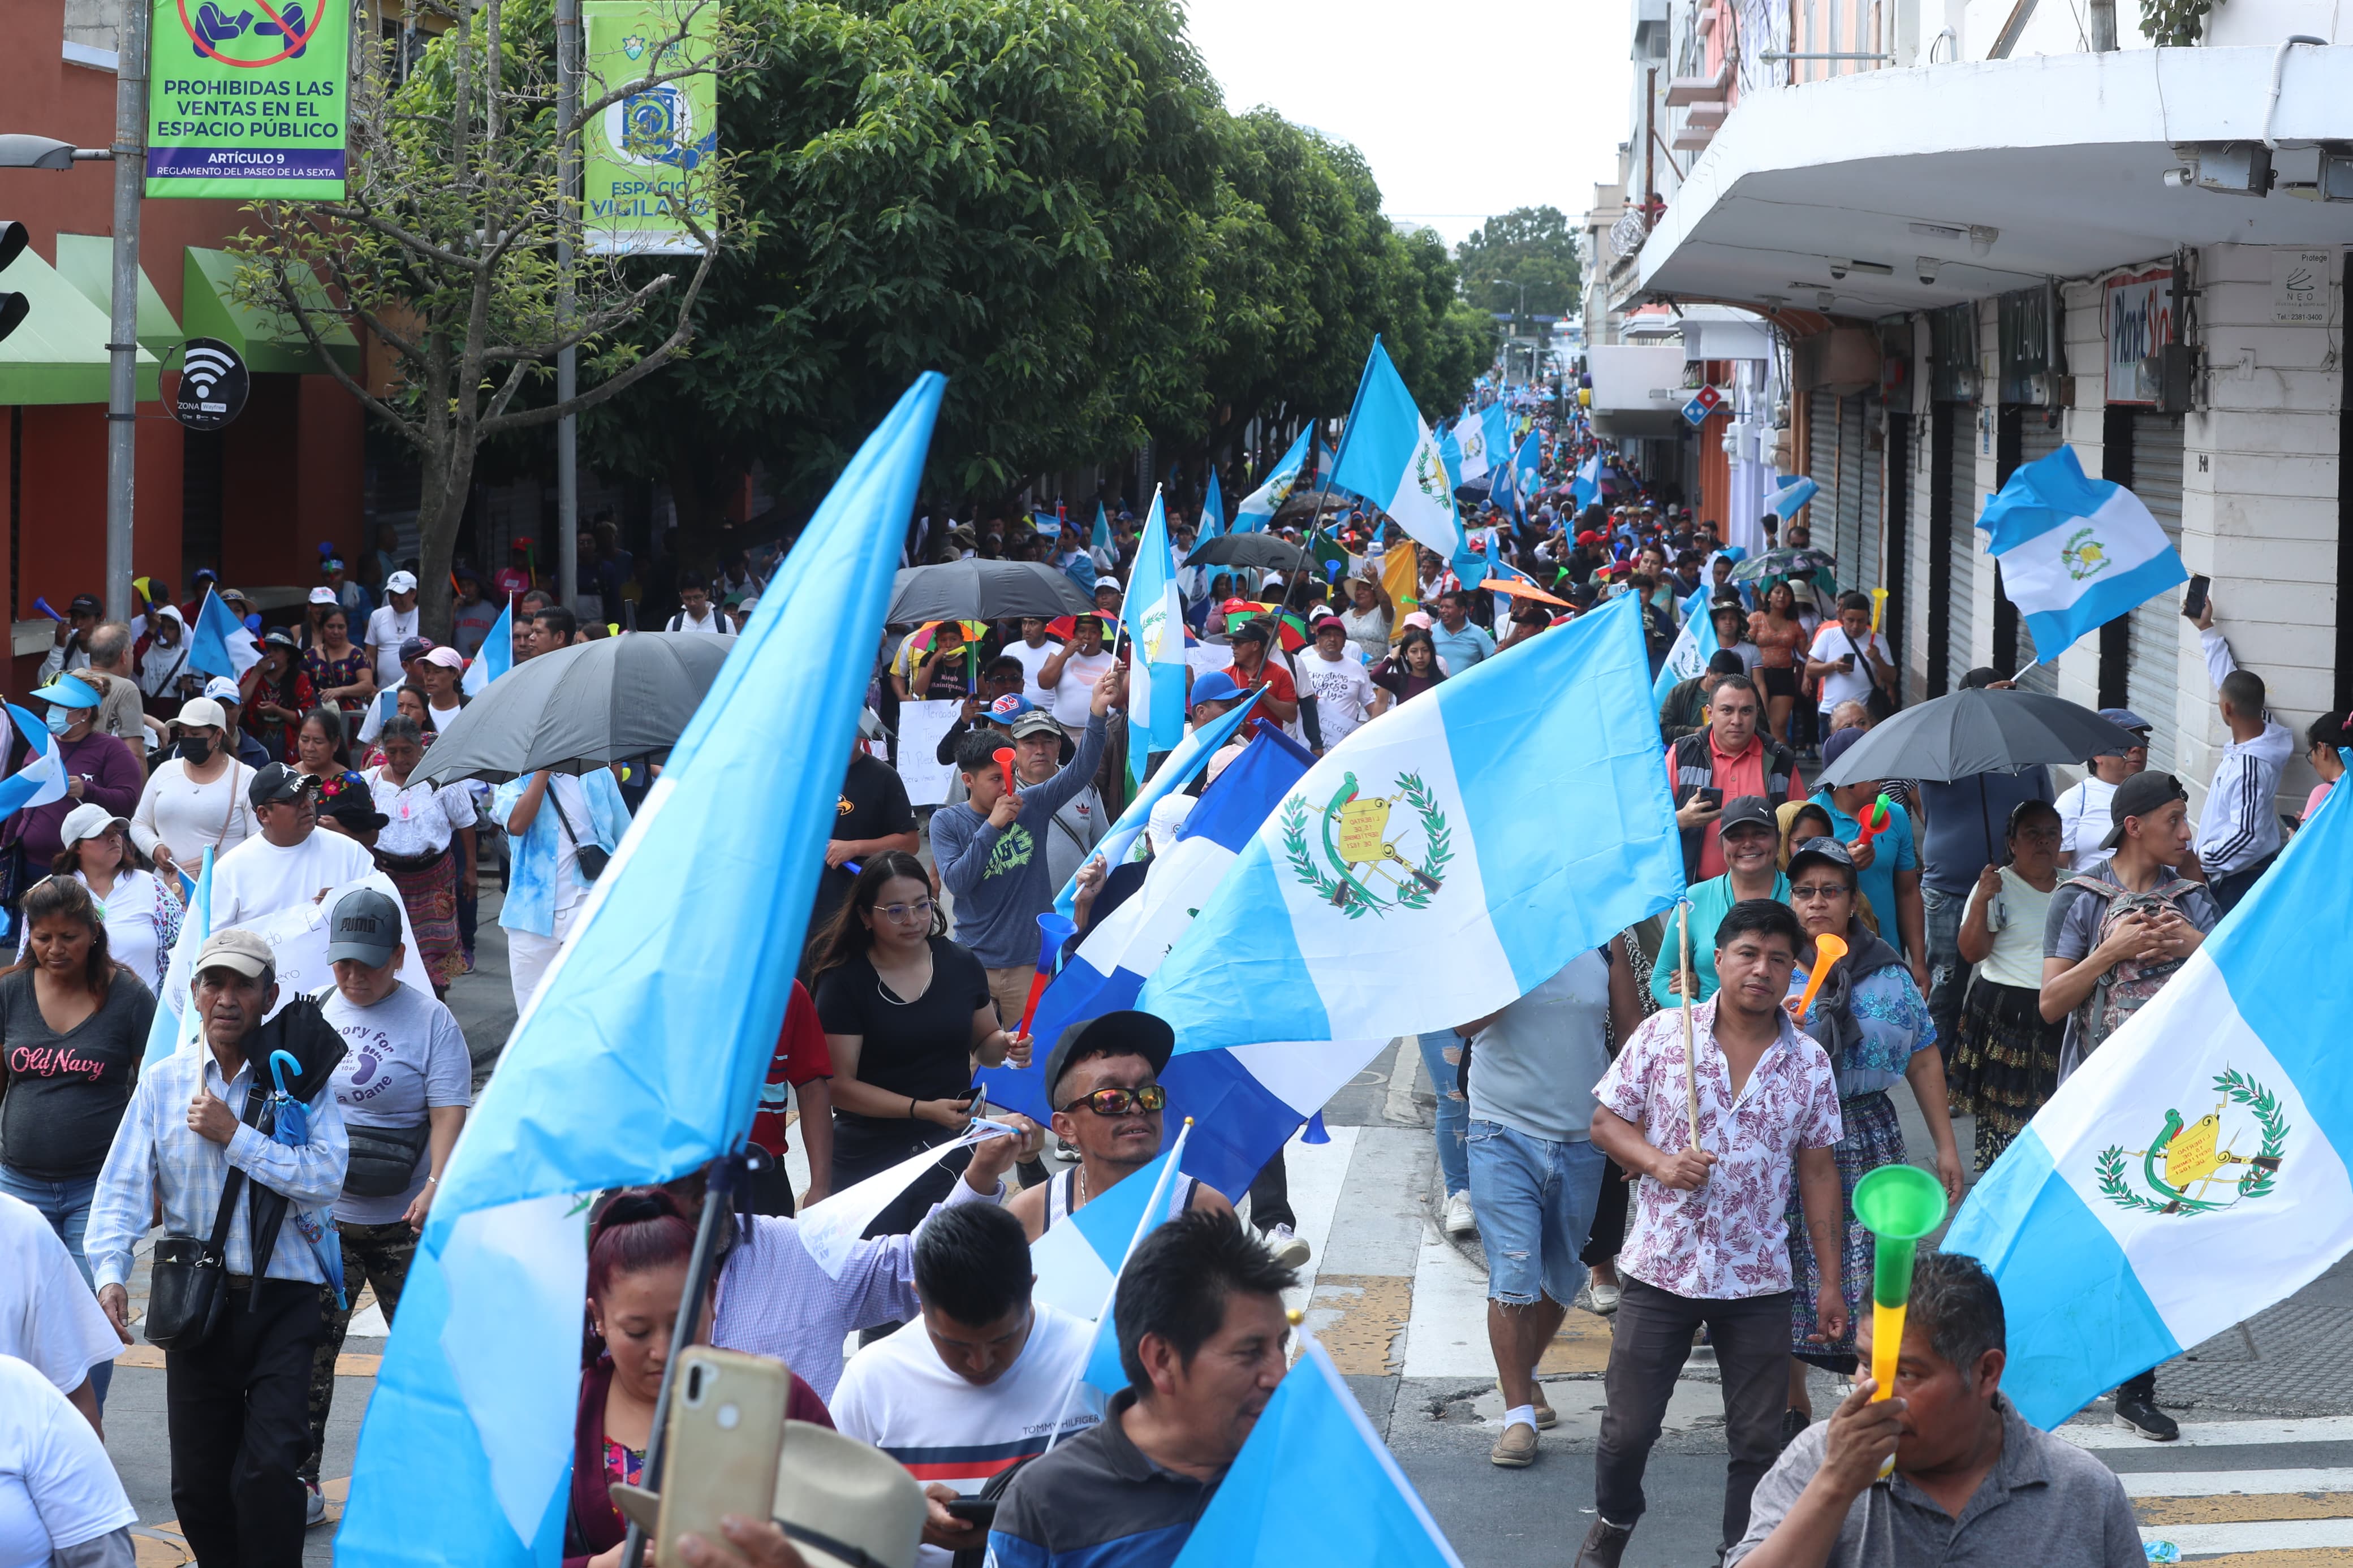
2261,1479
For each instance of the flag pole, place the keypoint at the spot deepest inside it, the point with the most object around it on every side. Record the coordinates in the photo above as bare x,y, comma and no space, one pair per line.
718,1178
1691,1070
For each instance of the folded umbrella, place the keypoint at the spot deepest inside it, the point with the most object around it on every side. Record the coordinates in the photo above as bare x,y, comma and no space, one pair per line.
580,708
979,589
1974,732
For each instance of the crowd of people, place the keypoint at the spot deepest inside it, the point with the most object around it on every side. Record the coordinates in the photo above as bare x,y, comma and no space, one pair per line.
1994,931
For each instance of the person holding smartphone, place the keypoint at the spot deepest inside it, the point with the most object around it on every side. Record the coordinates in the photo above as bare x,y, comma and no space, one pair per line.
1730,757
1850,659
907,1013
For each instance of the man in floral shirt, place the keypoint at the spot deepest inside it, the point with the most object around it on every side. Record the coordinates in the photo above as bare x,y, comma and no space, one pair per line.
1706,1241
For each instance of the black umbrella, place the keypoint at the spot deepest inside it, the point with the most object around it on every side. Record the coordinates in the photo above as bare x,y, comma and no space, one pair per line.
979,589
580,708
1974,732
1259,552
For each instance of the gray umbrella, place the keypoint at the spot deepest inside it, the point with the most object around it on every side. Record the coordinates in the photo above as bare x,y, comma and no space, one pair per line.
1974,732
580,708
1262,552
979,589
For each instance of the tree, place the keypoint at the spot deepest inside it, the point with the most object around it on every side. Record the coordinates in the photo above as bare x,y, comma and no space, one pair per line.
1533,246
445,247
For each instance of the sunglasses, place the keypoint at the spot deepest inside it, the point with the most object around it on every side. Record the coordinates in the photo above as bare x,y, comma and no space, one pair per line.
1122,1101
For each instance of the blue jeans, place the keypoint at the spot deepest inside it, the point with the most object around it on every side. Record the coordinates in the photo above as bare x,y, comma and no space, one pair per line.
1453,1108
66,1205
1948,972
1534,1199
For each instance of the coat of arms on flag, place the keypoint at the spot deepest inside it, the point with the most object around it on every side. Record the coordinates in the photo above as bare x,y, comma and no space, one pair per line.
2182,1164
1369,873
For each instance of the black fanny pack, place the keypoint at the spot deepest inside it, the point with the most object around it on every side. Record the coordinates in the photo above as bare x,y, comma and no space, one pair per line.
383,1159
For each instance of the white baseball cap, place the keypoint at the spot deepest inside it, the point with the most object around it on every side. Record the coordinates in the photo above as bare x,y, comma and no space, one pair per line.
221,689
401,583
88,821
323,594
202,713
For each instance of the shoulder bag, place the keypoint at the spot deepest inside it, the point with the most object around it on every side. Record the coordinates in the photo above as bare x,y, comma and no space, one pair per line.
593,856
1876,701
187,1290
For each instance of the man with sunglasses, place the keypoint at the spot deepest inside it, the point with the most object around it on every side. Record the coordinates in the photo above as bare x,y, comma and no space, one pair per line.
1102,1079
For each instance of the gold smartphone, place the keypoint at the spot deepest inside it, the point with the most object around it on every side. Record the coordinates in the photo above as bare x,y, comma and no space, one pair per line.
727,1435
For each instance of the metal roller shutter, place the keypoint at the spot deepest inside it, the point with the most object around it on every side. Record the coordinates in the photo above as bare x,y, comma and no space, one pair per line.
2153,643
2035,440
1822,464
1845,542
1864,570
1962,621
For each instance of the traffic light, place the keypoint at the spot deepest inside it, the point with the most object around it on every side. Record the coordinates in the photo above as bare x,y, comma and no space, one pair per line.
13,307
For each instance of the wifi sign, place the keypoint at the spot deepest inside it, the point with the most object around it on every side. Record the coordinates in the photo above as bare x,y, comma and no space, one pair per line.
213,384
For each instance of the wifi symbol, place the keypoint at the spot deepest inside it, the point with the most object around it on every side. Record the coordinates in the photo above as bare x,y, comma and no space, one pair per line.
206,369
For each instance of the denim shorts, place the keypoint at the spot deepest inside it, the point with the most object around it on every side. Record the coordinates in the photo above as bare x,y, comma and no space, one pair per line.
1534,1201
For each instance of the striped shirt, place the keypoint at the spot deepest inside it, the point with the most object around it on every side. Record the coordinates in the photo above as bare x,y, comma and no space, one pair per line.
2241,825
155,1153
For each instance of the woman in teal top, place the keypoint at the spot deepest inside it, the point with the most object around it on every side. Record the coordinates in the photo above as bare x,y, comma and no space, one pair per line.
1752,844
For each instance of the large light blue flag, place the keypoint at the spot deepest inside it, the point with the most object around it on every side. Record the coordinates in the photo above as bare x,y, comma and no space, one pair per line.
1245,1103
1174,774
1213,510
1430,843
171,1027
2075,551
494,658
1314,1483
1388,456
640,1057
1153,615
1496,422
1259,507
220,644
2192,1171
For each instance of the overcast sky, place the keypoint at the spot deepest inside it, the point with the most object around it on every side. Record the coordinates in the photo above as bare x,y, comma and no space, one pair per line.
1463,109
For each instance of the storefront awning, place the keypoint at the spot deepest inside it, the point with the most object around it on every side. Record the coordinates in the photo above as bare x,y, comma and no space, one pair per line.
2001,173
268,341
87,261
59,353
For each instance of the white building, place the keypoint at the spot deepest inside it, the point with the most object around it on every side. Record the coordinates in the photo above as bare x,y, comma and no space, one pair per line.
1977,237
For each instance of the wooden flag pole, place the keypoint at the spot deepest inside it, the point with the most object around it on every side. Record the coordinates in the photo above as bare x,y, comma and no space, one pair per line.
1691,1070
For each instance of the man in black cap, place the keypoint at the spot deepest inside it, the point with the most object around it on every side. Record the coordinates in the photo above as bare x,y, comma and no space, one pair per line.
1102,1081
69,645
289,862
2115,935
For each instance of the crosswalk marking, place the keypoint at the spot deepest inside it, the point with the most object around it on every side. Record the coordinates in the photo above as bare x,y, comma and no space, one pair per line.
2217,1433
2225,1483
2270,1537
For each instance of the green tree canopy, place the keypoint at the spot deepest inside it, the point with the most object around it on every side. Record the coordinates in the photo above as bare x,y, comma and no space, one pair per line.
1533,247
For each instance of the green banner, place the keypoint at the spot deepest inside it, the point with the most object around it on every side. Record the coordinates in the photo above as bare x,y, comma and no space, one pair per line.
246,99
647,158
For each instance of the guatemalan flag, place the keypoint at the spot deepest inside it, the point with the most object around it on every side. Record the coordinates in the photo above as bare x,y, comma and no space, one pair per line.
1477,838
2192,1171
1077,1262
1584,488
1152,616
1259,507
666,1000
1213,510
1465,447
1793,492
1693,648
1388,456
1246,1102
2075,551
1495,421
221,645
494,658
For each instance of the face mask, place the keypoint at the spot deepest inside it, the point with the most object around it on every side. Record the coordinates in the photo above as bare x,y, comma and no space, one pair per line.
195,749
61,720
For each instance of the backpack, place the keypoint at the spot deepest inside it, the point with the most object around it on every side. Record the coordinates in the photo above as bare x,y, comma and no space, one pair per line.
2122,990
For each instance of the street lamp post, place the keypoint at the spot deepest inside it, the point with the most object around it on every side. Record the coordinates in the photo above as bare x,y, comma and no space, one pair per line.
1518,316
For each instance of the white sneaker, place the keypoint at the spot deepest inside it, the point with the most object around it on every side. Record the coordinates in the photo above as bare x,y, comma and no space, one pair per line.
314,1505
1288,1249
1460,1220
1067,1153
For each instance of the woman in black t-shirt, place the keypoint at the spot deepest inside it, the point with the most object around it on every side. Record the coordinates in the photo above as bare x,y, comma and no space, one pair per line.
907,1015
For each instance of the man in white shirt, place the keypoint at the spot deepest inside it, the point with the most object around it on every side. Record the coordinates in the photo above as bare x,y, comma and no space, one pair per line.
392,625
1031,653
289,862
1850,658
2084,808
47,1315
2241,837
695,612
1344,695
980,1381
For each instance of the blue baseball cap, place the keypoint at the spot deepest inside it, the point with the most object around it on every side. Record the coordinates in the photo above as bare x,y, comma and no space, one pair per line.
2125,719
67,692
1215,687
1009,708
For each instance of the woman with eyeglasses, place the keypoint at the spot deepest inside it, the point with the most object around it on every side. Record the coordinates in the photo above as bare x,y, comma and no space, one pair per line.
907,1017
2005,1061
1871,1018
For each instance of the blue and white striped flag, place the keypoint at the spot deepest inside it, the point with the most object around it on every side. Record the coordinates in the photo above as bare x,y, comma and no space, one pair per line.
1077,1264
1213,510
1388,456
220,644
1188,759
1429,843
1693,648
1465,447
494,658
1585,489
1153,615
2192,1171
1793,492
1259,507
2075,551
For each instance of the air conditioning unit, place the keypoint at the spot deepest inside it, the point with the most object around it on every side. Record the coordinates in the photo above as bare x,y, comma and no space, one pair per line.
2235,168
